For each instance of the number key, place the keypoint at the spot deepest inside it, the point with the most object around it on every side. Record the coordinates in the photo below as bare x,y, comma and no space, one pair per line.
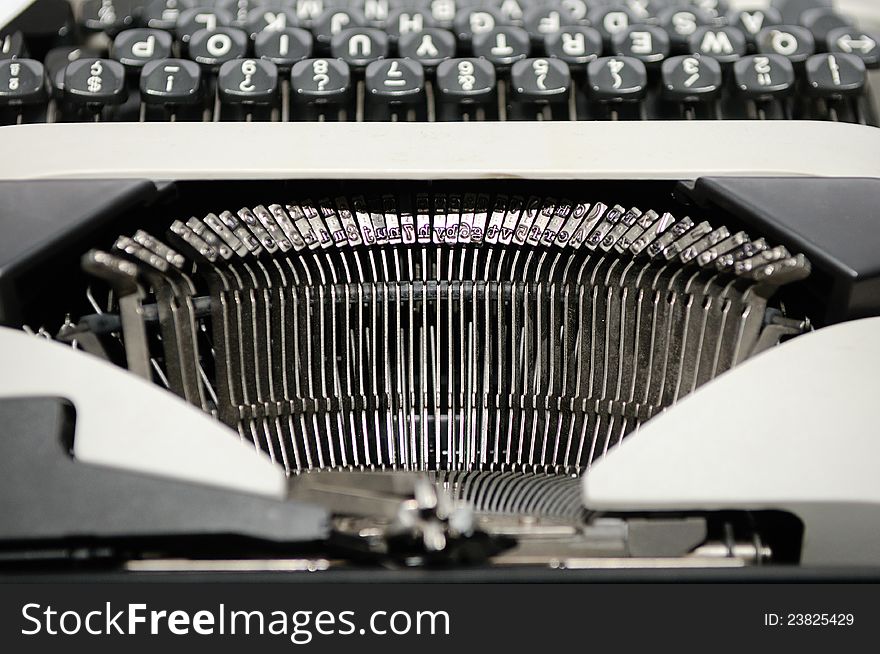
171,82
22,81
691,79
248,81
95,82
836,75
465,81
540,80
320,81
763,77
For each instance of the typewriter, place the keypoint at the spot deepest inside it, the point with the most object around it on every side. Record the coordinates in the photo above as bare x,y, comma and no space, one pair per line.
549,288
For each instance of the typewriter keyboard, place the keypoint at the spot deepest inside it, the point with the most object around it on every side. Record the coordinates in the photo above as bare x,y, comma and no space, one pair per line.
434,60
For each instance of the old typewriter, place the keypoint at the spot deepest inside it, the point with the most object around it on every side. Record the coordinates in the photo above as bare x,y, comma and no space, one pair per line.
546,288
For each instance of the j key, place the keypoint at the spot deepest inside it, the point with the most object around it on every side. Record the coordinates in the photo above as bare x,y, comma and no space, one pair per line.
576,46
95,83
646,43
335,20
681,23
820,21
161,14
611,20
503,46
248,81
135,48
751,22
763,77
471,21
464,82
360,46
793,42
429,47
12,45
201,18
284,48
56,62
542,20
408,21
540,80
691,79
109,16
835,75
617,79
22,82
724,44
269,19
861,44
320,81
213,48
171,83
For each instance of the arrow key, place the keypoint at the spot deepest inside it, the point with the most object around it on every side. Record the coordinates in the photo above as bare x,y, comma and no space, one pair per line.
861,44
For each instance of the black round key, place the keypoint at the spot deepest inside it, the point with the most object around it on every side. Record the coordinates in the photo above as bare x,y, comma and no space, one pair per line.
56,62
135,48
269,19
443,11
22,81
95,82
471,21
542,20
397,80
751,22
171,82
284,48
864,45
689,78
713,8
42,23
360,46
12,45
429,47
308,11
320,81
465,81
578,9
161,14
611,20
576,46
681,22
540,80
617,79
820,21
725,44
762,77
335,20
109,16
835,75
408,21
503,46
213,48
201,18
248,81
793,42
792,10
648,43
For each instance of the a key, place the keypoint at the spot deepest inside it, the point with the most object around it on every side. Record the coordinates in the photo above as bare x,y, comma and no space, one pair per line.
22,82
751,21
109,16
502,46
391,83
360,46
647,43
429,47
724,44
540,80
865,45
335,20
793,42
95,83
464,83
820,21
681,22
543,20
201,18
269,19
135,48
687,78
617,79
213,48
321,82
248,81
762,77
171,83
12,46
835,75
576,46
284,47
611,20
470,21
408,20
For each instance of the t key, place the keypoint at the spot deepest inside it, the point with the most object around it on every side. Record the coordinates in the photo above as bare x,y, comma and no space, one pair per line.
503,46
